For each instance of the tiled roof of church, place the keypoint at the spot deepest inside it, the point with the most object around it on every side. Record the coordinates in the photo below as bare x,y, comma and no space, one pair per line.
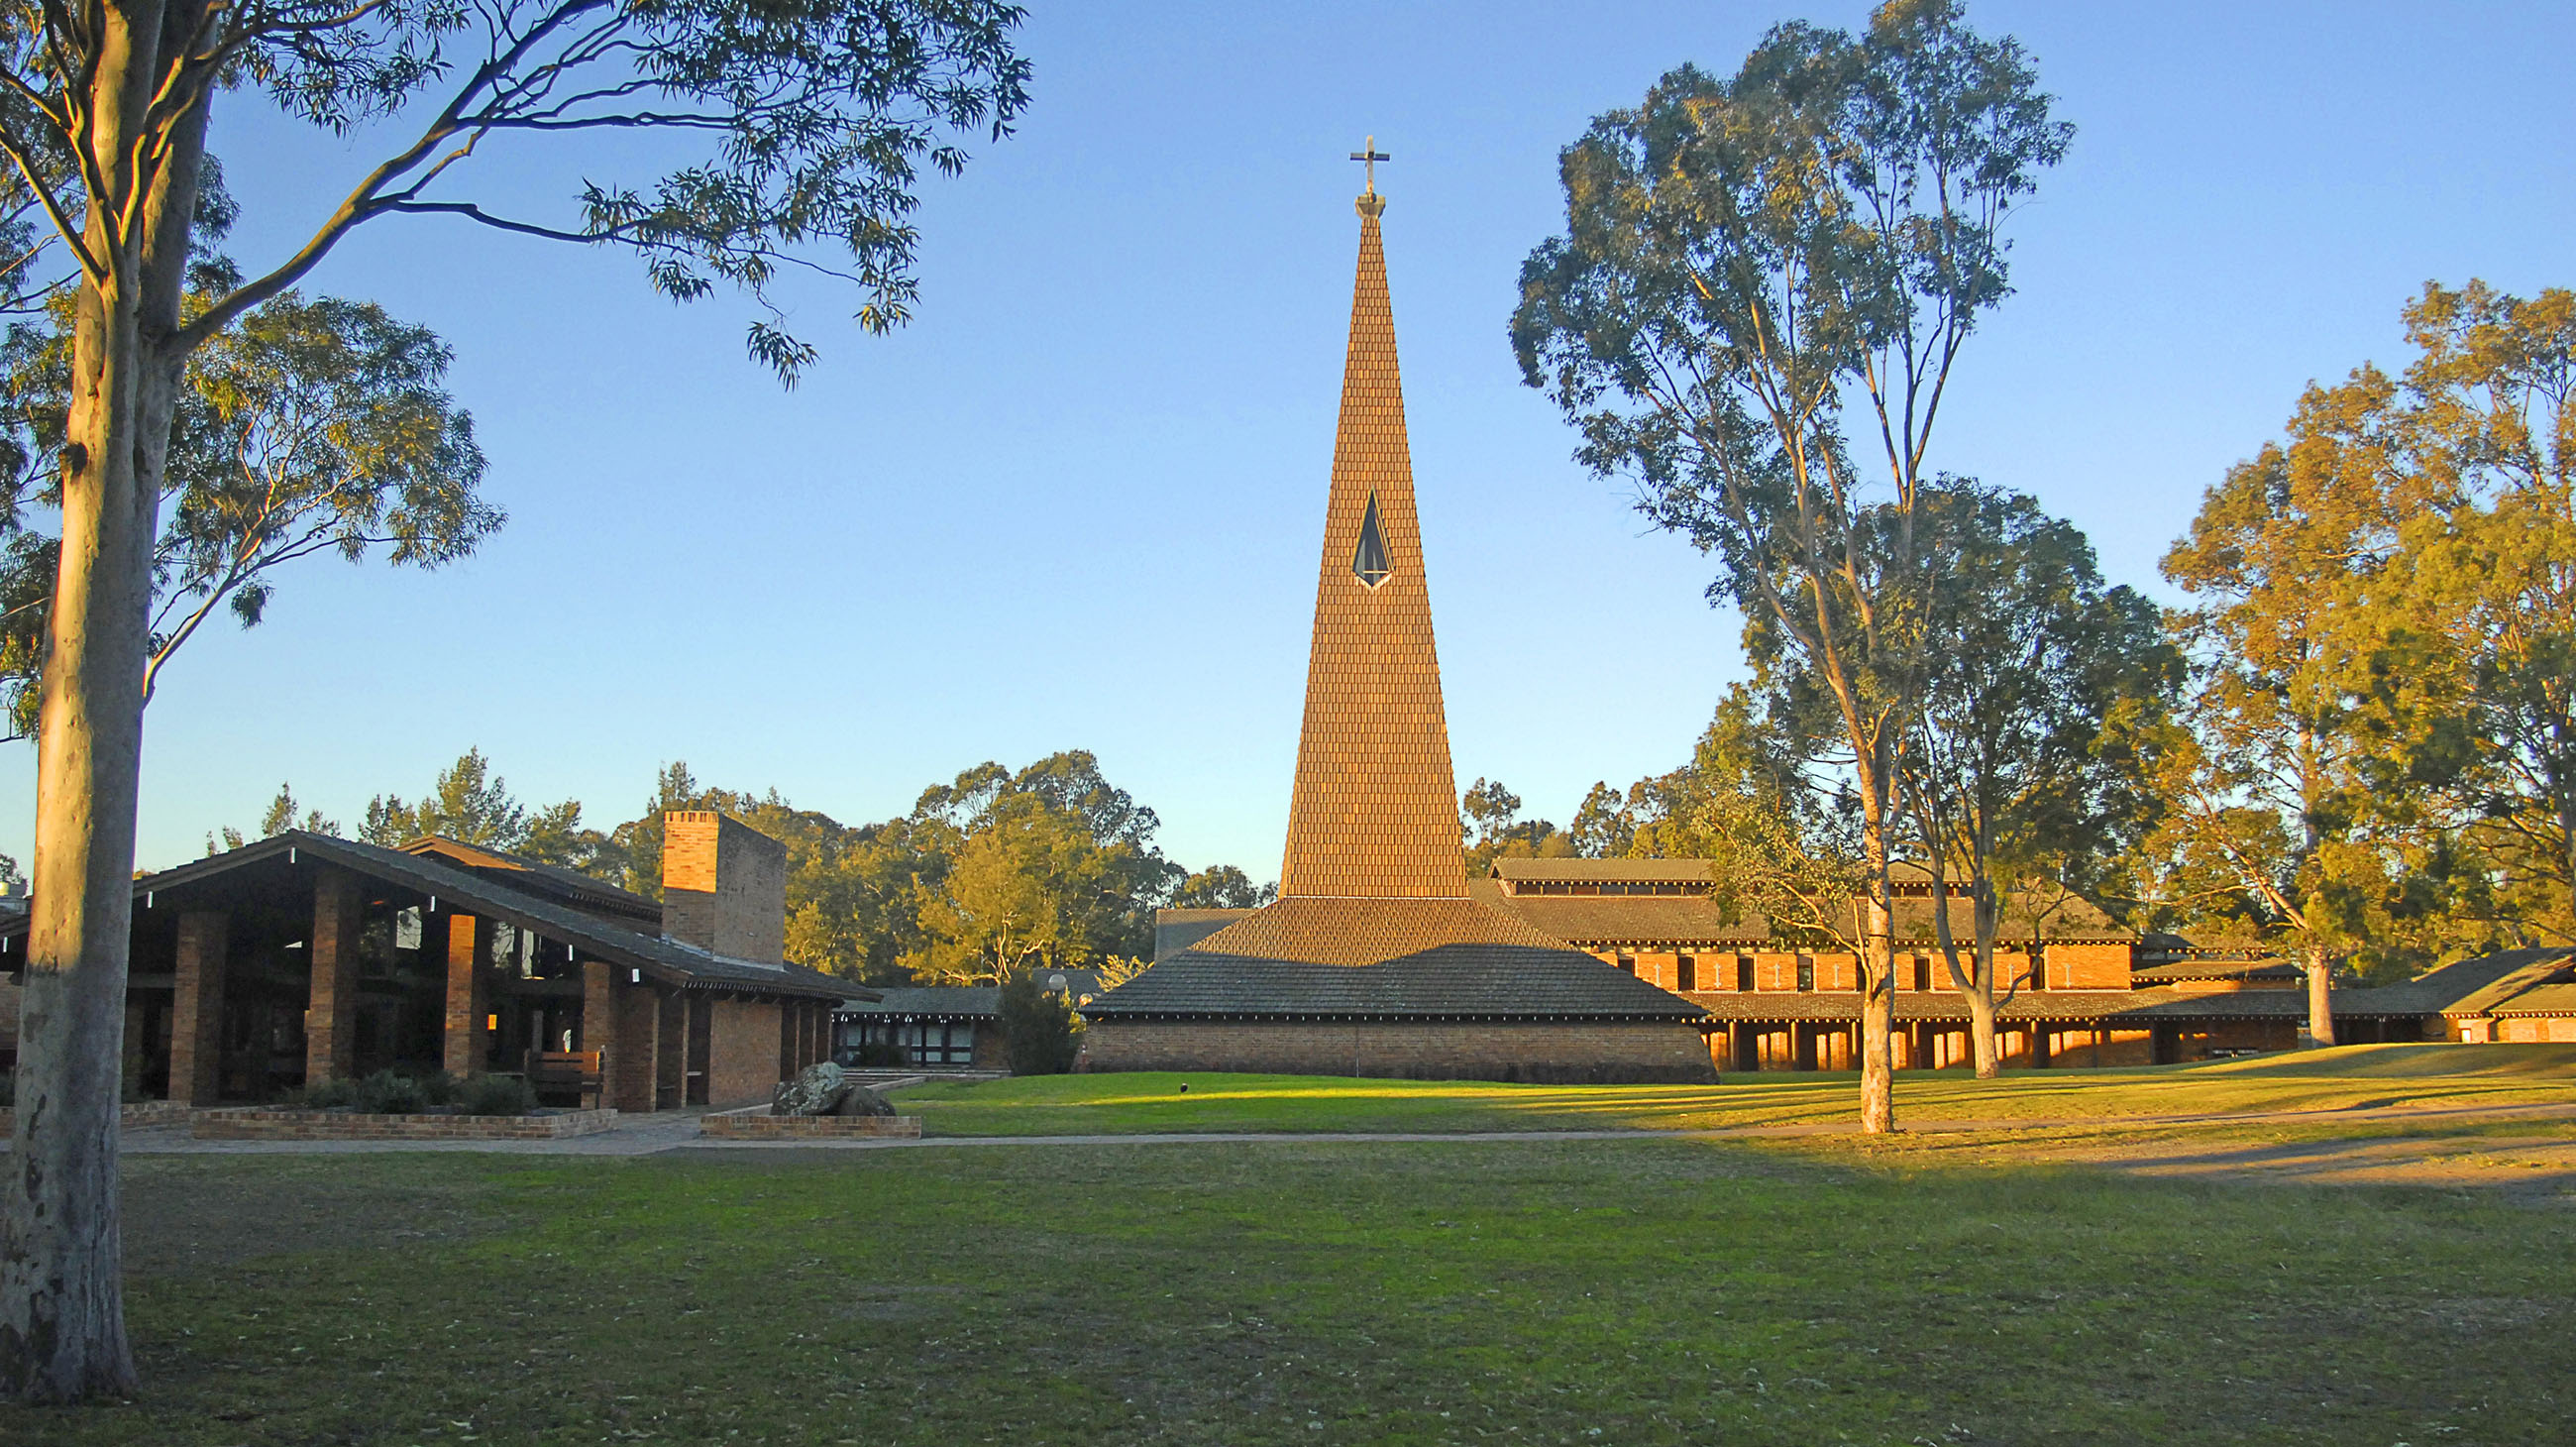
1374,812
1365,958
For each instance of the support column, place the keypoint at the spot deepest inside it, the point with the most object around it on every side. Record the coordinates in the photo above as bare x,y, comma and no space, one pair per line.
466,1006
331,997
671,1051
598,1017
634,1049
197,1010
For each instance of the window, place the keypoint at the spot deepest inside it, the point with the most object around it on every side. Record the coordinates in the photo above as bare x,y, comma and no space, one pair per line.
1628,963
1743,975
939,1042
1686,972
1922,973
1806,973
1369,563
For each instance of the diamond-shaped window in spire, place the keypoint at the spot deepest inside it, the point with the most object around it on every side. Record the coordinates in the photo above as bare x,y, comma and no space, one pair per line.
1370,561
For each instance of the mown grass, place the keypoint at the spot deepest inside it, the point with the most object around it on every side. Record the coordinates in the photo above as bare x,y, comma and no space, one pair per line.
1582,1292
2353,1075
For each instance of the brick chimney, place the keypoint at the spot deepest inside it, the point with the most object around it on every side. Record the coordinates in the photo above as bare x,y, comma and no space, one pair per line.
724,886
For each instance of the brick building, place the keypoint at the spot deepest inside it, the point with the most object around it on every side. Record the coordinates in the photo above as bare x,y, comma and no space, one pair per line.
304,958
1377,959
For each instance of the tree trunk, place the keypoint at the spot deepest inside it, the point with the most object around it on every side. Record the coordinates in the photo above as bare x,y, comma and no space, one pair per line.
62,1309
1981,998
2321,1029
1877,983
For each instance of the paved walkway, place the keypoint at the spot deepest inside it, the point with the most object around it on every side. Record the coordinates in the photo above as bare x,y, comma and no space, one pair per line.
644,1135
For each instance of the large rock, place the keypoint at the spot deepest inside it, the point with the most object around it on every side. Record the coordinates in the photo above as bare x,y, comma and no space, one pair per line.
859,1100
813,1092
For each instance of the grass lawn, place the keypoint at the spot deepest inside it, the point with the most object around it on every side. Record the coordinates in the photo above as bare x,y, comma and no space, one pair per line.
1582,1292
2349,1076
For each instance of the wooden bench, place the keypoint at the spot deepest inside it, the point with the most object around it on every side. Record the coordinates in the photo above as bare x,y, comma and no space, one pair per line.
573,1070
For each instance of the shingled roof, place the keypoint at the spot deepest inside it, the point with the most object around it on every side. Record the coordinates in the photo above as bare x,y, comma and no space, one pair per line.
1382,959
1374,811
667,960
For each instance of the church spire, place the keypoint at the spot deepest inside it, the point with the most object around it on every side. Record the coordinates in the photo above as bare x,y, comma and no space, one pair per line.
1375,810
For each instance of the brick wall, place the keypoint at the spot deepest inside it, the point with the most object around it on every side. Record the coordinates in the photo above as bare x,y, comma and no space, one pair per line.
724,886
2087,967
331,1003
197,1009
742,1051
633,1046
1559,1054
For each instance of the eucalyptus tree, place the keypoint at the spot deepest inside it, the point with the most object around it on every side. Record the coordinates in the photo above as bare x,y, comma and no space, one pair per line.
2381,768
2474,682
2018,778
2268,782
1757,271
793,131
312,426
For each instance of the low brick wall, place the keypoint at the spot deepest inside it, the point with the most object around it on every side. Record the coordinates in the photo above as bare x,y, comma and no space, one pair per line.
334,1125
757,1124
138,1113
1543,1054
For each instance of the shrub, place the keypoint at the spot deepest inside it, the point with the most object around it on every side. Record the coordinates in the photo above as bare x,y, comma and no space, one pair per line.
1037,1028
497,1095
325,1095
390,1092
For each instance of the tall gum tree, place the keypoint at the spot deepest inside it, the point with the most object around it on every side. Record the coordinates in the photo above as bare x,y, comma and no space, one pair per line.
2474,683
2275,801
1754,271
798,129
2015,786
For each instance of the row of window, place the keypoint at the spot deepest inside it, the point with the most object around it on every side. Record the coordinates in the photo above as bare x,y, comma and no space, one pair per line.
1735,972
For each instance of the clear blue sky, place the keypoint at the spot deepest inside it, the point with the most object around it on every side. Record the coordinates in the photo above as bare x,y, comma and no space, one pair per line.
1076,503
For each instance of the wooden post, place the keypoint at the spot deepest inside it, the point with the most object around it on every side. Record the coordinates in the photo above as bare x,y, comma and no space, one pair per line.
197,1009
331,998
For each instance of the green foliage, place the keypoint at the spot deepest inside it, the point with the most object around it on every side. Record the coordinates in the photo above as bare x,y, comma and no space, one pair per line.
312,426
1221,886
496,1095
1755,273
1490,824
280,817
2380,762
325,1095
1047,866
1039,1033
1744,260
1752,802
2020,776
472,805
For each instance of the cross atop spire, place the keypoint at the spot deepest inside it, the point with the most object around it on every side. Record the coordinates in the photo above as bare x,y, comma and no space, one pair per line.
1371,155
